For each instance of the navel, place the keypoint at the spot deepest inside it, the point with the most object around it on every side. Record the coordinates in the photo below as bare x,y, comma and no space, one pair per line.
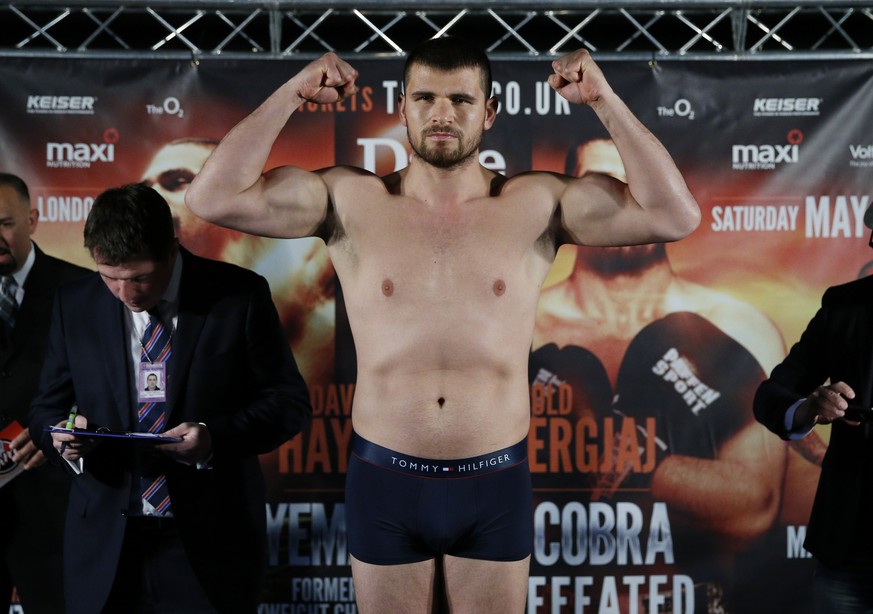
387,287
441,402
499,287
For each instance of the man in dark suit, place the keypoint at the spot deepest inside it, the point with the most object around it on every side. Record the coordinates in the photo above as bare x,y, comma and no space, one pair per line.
32,505
827,372
231,391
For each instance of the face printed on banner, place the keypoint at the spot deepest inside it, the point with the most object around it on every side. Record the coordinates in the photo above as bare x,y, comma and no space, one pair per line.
599,156
445,114
17,223
171,171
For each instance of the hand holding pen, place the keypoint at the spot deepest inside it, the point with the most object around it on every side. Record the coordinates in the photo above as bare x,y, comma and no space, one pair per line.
71,422
70,445
68,440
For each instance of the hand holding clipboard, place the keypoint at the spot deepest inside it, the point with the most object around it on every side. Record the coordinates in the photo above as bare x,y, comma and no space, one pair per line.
105,433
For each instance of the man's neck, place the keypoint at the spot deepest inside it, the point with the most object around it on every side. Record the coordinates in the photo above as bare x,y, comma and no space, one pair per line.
446,186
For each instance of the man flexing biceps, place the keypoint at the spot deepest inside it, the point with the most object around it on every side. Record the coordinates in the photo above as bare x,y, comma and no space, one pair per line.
441,264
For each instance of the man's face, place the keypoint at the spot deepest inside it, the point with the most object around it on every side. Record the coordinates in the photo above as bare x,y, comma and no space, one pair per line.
170,173
152,382
445,114
140,283
17,223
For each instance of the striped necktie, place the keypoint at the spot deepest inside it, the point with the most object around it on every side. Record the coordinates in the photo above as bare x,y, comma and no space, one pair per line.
152,415
8,300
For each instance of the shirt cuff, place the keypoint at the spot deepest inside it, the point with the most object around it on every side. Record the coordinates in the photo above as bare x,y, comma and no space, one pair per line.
206,463
793,433
78,466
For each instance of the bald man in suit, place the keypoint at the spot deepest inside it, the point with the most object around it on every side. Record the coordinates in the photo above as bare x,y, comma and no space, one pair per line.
32,505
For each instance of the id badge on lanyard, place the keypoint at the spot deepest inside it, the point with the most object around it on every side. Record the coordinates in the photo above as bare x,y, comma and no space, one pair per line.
151,382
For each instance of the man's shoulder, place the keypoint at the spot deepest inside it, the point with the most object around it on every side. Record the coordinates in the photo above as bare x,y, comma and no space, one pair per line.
355,174
81,290
538,182
216,273
857,290
62,269
191,260
354,185
50,274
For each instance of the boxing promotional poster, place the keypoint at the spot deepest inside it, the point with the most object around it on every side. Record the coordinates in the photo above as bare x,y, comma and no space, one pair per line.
644,360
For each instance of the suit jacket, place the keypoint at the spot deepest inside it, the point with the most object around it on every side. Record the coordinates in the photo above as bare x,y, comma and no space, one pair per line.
33,505
837,344
232,369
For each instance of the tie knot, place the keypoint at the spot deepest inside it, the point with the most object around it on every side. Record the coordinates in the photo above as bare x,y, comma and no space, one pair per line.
8,284
155,315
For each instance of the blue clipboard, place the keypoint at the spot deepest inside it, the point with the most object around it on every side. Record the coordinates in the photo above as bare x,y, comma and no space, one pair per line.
110,434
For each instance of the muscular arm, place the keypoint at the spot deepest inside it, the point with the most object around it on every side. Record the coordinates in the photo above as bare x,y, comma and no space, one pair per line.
655,205
735,495
232,189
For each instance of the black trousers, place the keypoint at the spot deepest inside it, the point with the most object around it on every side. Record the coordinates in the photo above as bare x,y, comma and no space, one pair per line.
154,575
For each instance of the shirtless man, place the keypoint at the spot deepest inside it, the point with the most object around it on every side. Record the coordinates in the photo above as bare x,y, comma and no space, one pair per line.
720,476
441,265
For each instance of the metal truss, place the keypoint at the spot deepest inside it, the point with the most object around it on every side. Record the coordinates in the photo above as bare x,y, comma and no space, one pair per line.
366,29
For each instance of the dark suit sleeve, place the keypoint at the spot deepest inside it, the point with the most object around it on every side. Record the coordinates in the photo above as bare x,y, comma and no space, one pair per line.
20,369
805,367
56,394
278,405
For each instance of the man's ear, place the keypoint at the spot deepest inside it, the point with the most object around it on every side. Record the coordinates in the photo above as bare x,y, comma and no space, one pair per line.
32,220
401,107
491,107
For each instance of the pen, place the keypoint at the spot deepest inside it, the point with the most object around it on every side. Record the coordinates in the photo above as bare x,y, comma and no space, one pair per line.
71,421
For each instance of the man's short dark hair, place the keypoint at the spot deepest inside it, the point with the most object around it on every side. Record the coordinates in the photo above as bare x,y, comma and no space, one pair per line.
16,183
130,222
447,54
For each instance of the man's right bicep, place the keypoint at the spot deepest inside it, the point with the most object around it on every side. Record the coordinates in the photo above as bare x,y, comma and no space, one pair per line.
292,203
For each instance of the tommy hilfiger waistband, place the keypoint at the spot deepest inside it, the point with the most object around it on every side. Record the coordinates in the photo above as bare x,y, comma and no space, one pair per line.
454,468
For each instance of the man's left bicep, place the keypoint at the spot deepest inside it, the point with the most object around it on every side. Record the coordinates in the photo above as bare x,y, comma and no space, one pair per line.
599,211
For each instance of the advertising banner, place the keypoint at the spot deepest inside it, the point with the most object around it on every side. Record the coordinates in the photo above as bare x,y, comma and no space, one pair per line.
645,359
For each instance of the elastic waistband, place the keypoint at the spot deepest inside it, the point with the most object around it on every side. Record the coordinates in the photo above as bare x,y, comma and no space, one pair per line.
492,462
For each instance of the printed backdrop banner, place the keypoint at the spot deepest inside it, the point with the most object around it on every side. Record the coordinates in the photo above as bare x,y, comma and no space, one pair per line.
654,488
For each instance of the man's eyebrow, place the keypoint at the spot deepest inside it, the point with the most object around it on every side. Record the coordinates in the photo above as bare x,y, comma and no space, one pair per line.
466,95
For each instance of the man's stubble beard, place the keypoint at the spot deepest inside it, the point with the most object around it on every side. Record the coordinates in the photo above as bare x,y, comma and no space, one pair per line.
441,157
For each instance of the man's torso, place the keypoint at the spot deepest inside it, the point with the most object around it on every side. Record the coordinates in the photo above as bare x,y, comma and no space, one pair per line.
441,298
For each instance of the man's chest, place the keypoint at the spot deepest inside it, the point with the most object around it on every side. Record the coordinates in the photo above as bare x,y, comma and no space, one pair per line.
442,255
413,230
